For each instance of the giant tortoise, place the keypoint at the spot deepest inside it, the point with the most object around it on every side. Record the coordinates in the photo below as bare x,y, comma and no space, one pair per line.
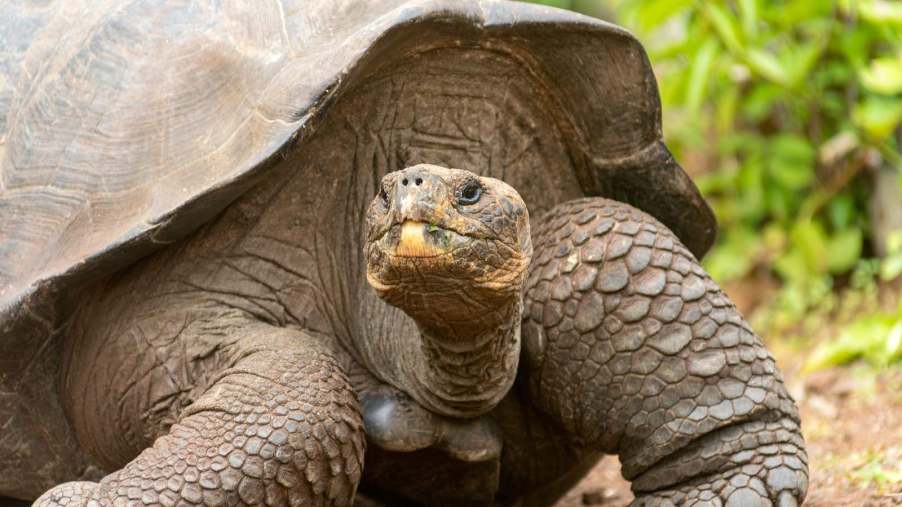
408,252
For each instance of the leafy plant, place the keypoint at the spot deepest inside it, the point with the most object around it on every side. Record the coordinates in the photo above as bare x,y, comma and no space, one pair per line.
799,98
780,109
875,338
785,103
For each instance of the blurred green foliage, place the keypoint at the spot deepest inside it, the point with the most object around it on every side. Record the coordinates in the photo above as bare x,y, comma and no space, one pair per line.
876,469
875,338
780,109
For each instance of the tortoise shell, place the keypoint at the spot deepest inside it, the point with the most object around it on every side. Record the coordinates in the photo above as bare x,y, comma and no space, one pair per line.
126,125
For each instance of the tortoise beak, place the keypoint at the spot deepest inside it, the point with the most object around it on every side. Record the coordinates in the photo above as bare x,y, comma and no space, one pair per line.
419,239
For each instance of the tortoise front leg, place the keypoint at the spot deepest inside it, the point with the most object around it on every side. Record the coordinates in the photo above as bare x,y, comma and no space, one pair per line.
279,427
634,350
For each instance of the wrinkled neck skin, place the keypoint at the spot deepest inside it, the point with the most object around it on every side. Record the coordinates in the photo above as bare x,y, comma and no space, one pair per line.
464,370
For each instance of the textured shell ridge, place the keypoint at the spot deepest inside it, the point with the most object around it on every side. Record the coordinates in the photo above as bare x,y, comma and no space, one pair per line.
85,190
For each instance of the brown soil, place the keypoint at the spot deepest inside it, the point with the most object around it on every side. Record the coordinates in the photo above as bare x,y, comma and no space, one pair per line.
853,429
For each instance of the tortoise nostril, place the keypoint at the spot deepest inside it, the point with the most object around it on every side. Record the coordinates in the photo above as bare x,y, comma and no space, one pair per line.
419,181
404,182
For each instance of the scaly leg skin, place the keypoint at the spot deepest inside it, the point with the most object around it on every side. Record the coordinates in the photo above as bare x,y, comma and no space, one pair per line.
634,350
279,427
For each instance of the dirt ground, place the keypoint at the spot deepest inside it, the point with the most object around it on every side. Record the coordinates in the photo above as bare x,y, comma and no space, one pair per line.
852,423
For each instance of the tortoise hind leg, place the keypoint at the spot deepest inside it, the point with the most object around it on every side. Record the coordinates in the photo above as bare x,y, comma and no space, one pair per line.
281,426
634,350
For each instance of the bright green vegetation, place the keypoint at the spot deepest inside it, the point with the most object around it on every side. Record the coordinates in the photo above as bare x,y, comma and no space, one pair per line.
874,337
783,111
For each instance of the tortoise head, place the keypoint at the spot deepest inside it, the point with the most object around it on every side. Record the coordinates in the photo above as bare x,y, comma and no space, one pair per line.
446,244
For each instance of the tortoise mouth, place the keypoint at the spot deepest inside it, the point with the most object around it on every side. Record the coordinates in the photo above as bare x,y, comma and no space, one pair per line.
420,240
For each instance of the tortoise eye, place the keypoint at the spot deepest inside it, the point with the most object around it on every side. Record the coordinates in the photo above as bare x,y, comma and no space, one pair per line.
470,193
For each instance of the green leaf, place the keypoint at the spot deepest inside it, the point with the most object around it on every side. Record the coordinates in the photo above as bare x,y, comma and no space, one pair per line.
652,14
751,200
891,267
793,148
832,354
843,250
724,26
884,75
792,268
700,75
748,11
809,238
855,45
762,98
716,181
879,117
735,255
801,62
788,15
875,337
841,211
781,201
725,113
767,66
792,162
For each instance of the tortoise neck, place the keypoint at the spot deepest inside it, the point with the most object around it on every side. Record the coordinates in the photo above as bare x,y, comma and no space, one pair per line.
465,370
